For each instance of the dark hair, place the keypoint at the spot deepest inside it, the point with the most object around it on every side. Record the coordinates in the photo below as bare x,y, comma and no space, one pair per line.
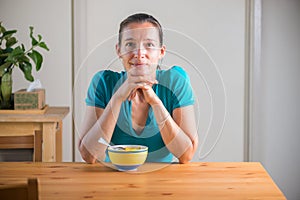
141,18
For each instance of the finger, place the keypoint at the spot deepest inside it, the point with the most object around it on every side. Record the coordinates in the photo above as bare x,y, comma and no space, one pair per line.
146,87
132,95
134,91
137,83
151,82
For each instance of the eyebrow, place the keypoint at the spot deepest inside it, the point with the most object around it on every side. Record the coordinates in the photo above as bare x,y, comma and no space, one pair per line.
149,39
127,39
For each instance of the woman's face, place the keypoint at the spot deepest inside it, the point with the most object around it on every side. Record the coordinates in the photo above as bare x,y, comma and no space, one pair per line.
140,46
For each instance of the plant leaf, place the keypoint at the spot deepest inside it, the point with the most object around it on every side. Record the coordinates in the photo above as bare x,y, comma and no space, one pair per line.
33,40
3,68
40,38
10,42
37,59
43,45
14,55
8,50
8,34
27,68
23,58
4,55
23,47
2,29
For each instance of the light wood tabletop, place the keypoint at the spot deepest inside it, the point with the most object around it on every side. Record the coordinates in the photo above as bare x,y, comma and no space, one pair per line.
239,180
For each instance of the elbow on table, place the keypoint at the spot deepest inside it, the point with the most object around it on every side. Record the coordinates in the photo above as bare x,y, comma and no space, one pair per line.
185,159
188,155
88,159
86,156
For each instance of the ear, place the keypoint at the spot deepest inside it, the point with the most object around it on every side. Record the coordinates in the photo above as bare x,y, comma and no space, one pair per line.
118,50
162,52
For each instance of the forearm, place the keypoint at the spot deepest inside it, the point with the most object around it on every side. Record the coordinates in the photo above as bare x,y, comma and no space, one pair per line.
175,139
103,127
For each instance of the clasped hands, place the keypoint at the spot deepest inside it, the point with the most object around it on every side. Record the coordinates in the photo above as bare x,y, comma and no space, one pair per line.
139,80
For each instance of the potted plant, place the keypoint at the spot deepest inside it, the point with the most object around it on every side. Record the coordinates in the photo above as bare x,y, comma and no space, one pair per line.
16,56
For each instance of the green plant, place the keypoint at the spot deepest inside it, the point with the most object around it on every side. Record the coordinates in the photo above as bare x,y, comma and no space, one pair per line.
12,56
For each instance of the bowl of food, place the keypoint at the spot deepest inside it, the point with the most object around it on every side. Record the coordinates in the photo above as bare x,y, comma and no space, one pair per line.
127,157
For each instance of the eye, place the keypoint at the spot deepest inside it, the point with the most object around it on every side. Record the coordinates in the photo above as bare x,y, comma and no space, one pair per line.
150,45
129,44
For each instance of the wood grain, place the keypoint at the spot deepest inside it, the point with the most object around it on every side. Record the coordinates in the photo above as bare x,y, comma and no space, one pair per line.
27,125
174,181
52,114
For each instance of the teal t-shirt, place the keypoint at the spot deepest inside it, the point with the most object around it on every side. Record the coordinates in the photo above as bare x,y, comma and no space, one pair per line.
173,89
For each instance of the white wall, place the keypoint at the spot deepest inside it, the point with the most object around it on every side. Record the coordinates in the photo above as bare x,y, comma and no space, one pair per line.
276,140
219,26
51,19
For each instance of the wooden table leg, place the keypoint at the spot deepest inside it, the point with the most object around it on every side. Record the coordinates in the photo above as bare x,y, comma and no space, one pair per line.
59,142
38,145
49,141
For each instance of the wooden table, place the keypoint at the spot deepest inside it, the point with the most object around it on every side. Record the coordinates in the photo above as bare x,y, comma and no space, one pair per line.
175,181
48,123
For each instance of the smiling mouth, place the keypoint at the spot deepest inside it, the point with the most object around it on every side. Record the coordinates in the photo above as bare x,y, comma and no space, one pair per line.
139,64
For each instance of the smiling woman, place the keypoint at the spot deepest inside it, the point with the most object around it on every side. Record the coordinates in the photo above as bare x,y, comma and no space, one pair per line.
142,105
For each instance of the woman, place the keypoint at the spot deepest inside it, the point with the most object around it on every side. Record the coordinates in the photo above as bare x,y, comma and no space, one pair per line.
143,104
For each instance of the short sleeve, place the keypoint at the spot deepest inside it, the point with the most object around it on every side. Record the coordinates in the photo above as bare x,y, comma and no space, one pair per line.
181,88
95,93
101,88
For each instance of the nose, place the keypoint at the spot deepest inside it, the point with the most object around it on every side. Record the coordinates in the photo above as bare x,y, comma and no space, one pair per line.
140,52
